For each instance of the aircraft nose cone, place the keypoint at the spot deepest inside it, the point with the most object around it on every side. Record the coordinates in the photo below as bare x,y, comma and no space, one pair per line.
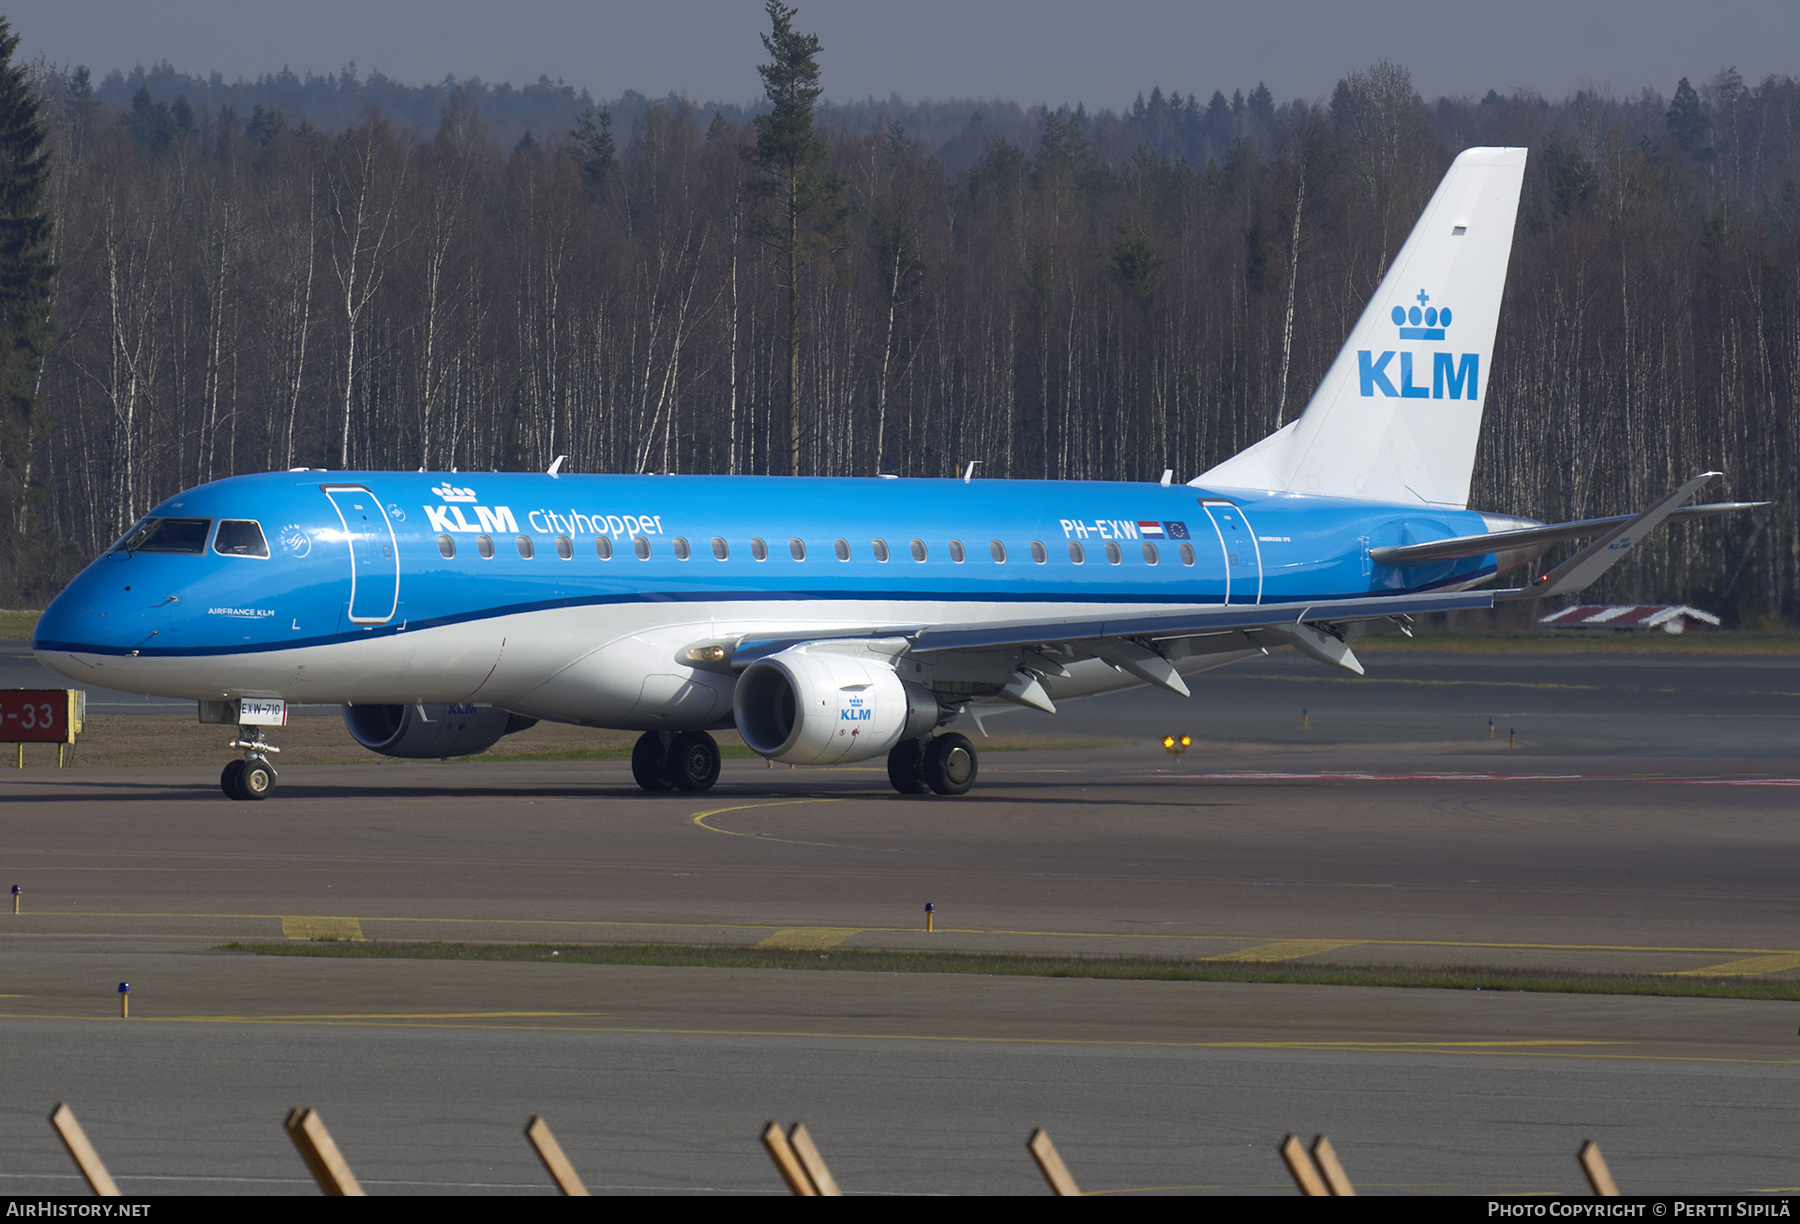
59,628
77,619
59,634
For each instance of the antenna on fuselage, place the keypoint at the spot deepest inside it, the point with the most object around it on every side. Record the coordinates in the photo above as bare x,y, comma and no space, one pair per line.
557,464
969,472
1168,476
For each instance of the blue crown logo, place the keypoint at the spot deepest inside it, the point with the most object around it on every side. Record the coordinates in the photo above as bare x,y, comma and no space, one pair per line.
1433,320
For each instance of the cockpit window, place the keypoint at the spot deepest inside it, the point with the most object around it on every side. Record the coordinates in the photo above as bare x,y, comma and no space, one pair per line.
240,538
168,535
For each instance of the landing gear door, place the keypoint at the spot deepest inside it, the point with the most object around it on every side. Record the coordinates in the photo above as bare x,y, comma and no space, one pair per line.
1243,559
374,554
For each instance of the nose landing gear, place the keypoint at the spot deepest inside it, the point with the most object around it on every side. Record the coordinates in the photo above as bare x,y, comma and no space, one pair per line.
253,777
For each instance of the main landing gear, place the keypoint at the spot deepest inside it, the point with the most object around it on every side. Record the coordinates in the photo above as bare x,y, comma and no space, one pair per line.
689,761
253,777
945,764
685,760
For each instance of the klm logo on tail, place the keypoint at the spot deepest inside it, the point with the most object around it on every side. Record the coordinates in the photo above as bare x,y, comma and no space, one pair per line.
1452,374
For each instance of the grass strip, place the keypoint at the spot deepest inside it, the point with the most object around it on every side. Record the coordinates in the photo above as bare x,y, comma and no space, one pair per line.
16,624
1557,981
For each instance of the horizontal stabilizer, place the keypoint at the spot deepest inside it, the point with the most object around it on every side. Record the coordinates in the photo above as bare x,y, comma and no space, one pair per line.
1582,569
1532,537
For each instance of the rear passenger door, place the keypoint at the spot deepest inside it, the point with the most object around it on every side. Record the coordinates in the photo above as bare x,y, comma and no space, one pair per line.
1243,559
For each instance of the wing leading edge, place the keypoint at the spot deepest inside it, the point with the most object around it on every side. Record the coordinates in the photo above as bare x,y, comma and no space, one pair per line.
1143,644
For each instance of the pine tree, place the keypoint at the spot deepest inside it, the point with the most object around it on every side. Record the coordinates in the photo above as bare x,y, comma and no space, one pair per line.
149,122
25,268
594,146
1688,124
809,200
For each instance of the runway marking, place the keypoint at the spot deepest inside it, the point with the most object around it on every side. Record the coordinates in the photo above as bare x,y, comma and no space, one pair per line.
1540,1047
334,1018
1533,1048
323,928
1749,964
807,939
1284,949
1518,684
1273,776
1729,781
699,818
1354,776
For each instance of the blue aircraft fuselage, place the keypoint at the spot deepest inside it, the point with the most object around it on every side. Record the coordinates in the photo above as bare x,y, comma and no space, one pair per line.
354,556
575,597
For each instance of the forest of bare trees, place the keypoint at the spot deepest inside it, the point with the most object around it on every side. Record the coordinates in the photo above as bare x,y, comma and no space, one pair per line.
1106,296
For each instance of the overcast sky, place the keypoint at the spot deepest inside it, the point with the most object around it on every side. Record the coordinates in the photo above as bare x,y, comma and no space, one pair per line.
1030,51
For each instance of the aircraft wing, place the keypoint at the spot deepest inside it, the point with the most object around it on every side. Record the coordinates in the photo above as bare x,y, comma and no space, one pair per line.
1010,658
1206,619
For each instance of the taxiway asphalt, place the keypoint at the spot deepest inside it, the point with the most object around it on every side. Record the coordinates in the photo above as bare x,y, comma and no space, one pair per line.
1644,824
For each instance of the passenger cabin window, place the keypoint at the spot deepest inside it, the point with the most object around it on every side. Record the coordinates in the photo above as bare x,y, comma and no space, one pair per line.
168,535
1038,552
525,548
447,546
1150,557
1187,554
956,551
918,550
565,547
721,549
682,552
797,547
642,546
843,549
485,546
1076,554
758,549
603,547
880,548
998,551
1112,552
240,538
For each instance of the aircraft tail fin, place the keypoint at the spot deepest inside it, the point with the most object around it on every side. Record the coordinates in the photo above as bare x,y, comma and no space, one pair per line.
1398,414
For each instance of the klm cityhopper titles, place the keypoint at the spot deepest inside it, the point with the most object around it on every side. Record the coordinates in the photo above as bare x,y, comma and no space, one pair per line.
834,620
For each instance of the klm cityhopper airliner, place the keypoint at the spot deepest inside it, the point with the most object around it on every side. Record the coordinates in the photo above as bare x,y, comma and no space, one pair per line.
837,620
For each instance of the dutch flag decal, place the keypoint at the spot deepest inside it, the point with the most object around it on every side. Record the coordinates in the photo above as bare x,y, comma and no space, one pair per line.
1150,528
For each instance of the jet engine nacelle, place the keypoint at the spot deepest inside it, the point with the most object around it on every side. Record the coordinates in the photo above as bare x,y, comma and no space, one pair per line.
444,731
806,706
